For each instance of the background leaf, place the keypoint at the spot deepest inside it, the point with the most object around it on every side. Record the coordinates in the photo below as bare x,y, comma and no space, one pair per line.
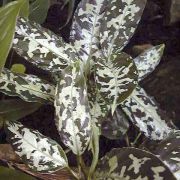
8,16
38,10
40,153
11,174
131,163
143,112
18,68
14,109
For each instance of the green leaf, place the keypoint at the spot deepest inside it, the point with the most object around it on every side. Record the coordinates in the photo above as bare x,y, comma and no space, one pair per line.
114,127
42,47
116,78
39,152
148,60
24,11
85,27
119,23
18,68
72,109
169,152
28,87
11,174
38,10
14,109
144,113
132,163
8,16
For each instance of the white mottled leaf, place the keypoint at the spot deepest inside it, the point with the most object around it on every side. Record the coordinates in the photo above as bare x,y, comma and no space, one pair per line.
86,25
28,87
42,47
120,21
148,60
116,78
169,152
39,152
115,126
131,163
143,112
72,109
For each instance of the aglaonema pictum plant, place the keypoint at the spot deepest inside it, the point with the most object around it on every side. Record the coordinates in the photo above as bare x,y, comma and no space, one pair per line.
92,79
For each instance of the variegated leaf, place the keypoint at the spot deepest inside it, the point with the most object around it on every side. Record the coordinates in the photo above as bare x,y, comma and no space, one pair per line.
132,163
116,78
143,112
40,153
115,126
86,25
28,87
99,109
148,60
120,21
169,152
42,47
72,109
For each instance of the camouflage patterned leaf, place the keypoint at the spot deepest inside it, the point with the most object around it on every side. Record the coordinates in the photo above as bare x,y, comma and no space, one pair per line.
85,28
148,60
143,112
28,87
132,163
40,153
169,152
72,110
41,47
114,127
120,22
99,109
116,78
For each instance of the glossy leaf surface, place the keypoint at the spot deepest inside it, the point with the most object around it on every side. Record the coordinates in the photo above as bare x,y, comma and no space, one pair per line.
132,163
40,153
143,112
72,109
28,87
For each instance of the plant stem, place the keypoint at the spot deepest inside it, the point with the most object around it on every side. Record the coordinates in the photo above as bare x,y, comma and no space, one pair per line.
137,138
73,173
95,145
127,140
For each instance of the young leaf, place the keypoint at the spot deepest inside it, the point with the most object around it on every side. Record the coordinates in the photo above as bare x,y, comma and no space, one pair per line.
28,87
42,47
169,152
86,25
116,78
40,153
72,109
120,21
18,68
132,163
38,10
148,60
143,112
14,109
114,127
8,16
